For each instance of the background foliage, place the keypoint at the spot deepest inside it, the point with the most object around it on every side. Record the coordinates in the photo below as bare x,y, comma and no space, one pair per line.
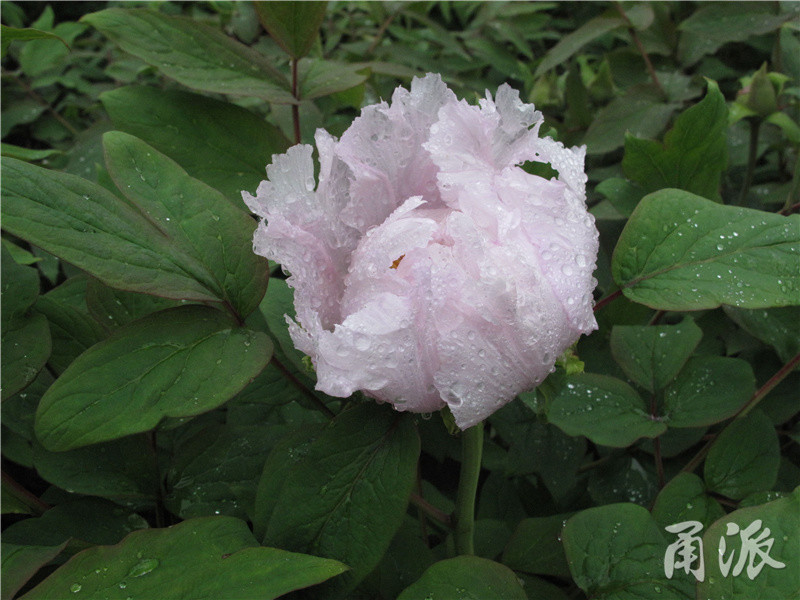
149,381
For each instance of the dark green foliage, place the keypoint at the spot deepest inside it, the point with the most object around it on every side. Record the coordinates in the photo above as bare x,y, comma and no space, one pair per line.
162,437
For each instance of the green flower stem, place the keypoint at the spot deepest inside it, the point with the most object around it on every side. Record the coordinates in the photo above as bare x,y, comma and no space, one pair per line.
752,156
464,515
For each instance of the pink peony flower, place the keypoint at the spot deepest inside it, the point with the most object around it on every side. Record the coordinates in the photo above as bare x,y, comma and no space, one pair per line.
428,268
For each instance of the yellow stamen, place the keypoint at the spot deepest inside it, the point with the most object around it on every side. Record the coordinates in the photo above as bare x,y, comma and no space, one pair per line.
396,263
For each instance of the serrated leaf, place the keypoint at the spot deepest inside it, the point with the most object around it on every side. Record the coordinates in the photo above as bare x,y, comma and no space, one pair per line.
219,143
617,552
211,558
468,578
333,498
604,409
679,251
192,53
176,363
744,458
293,25
652,355
777,523
708,390
693,155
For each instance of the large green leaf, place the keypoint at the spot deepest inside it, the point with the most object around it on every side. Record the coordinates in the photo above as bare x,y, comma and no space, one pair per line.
192,53
679,251
641,111
466,578
693,155
536,548
72,329
639,14
216,471
21,562
744,458
345,494
713,25
685,498
176,363
15,34
219,143
214,236
114,308
26,342
616,552
293,25
708,390
604,409
86,225
778,327
777,578
324,77
211,558
652,355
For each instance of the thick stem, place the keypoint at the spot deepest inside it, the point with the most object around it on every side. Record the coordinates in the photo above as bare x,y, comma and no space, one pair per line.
296,105
752,155
464,515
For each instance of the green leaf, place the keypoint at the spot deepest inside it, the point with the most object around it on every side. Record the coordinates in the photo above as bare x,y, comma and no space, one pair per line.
80,522
652,355
198,221
319,78
593,29
219,143
176,363
679,251
216,471
616,552
14,34
121,470
641,112
25,347
535,547
20,563
72,329
685,498
712,26
467,578
604,409
20,286
693,155
209,558
708,390
192,53
94,230
27,154
623,479
744,458
778,522
114,308
778,327
345,496
623,195
293,25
